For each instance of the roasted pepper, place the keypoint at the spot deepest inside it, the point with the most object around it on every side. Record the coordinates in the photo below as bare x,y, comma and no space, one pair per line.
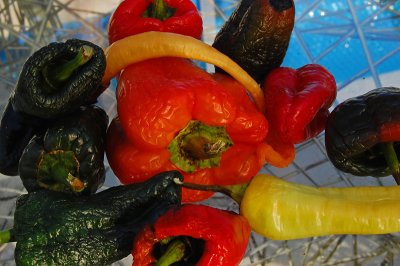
298,101
174,115
59,78
137,16
283,210
257,35
362,135
69,155
193,235
55,228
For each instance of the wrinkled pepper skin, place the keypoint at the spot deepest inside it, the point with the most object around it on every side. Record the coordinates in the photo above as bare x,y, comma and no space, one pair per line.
298,101
35,96
356,128
226,235
83,135
131,18
257,35
16,130
282,210
42,95
156,100
54,228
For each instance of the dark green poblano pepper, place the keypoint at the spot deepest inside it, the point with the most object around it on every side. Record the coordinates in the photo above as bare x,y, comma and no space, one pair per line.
69,155
55,80
59,78
54,228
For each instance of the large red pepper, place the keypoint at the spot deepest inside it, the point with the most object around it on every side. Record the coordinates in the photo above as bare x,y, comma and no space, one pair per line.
298,101
136,16
198,234
174,115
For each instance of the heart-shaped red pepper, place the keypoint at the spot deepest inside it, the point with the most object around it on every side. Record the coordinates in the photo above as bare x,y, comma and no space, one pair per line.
298,101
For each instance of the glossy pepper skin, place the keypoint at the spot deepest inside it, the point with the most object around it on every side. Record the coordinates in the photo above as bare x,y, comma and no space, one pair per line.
282,210
136,16
54,228
157,99
40,92
222,236
358,126
69,155
298,101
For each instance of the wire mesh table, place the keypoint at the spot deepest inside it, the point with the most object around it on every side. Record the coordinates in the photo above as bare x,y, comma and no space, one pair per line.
356,40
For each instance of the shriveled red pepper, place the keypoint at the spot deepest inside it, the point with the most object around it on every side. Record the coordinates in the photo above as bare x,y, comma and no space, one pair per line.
196,234
136,16
174,115
298,101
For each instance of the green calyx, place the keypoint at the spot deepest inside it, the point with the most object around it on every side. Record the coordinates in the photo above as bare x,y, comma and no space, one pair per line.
199,146
59,72
57,170
159,10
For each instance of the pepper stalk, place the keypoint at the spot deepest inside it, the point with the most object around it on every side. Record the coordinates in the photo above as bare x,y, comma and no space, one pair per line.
55,75
159,10
392,160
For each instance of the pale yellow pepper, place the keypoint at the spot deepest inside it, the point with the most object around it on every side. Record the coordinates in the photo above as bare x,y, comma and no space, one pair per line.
282,210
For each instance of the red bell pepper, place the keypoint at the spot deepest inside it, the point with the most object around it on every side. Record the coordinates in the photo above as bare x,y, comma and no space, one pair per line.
172,115
298,101
197,234
136,16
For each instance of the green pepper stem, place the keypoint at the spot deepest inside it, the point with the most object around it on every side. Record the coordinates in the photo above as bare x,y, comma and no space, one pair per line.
174,253
235,192
392,160
159,10
199,146
6,236
54,75
60,166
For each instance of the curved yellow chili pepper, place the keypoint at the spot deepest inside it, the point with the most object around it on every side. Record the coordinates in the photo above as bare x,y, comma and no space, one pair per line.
281,210
149,45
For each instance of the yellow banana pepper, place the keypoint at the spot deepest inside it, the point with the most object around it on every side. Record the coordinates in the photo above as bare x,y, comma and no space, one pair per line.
282,210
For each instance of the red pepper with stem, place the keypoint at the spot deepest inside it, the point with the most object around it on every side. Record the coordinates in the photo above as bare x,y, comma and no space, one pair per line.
174,115
298,101
195,234
136,16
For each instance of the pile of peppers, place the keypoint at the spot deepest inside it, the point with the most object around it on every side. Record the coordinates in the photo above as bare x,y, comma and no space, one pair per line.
180,135
174,115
